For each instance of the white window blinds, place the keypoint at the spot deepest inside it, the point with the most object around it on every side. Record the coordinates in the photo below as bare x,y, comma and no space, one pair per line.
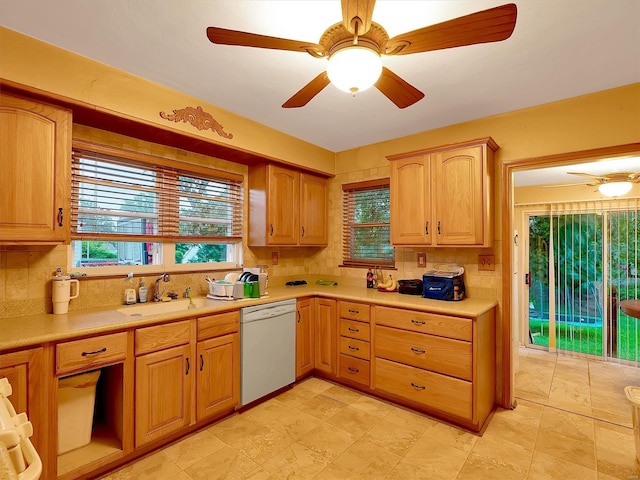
115,196
365,219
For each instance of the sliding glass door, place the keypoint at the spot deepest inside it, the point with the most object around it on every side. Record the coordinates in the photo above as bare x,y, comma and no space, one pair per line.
582,261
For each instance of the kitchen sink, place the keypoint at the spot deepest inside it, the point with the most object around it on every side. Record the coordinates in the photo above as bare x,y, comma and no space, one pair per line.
156,308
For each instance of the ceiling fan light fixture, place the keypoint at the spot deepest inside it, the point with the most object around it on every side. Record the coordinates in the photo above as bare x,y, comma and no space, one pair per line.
615,189
354,69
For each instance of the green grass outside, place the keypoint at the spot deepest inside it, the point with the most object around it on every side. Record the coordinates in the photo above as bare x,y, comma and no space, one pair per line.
588,339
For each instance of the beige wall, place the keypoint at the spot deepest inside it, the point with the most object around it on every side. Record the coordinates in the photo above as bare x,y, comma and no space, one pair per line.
28,61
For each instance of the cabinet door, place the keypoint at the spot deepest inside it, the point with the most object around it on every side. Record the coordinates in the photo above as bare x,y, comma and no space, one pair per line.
24,371
283,208
163,393
458,196
35,160
313,210
326,348
218,375
305,338
410,201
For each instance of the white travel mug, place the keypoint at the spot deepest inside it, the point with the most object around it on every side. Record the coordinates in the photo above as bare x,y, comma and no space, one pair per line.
61,294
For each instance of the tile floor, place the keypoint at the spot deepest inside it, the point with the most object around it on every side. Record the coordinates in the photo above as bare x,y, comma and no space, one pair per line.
572,422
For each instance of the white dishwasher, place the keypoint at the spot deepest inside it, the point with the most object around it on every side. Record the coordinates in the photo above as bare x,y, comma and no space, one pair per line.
267,349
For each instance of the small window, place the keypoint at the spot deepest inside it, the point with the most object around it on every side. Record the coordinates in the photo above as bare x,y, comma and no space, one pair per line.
365,213
131,209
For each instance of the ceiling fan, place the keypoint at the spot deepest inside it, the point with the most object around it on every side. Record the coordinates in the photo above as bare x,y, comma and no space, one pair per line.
610,184
357,36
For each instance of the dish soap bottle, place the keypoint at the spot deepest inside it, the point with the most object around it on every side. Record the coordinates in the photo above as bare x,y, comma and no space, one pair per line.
143,292
129,296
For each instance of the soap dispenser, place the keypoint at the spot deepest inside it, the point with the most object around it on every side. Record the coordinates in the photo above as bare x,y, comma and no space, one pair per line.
143,292
129,294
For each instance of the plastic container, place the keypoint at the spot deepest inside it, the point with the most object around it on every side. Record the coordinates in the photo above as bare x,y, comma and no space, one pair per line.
633,395
76,403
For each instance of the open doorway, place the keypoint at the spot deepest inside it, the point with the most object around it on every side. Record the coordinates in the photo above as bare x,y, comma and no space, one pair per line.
516,301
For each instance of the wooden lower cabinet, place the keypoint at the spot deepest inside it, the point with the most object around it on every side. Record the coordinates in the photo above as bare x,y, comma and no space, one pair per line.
442,364
305,338
326,330
163,393
24,370
441,392
217,385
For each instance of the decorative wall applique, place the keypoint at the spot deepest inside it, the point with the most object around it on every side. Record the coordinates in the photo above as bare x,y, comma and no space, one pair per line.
198,118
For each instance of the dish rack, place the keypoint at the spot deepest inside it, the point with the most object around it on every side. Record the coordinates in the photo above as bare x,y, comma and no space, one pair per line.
17,454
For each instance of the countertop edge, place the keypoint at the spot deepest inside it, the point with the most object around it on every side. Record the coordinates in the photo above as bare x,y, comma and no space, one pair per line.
33,330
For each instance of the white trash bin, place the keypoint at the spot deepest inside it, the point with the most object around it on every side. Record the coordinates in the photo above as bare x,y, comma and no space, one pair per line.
633,395
76,404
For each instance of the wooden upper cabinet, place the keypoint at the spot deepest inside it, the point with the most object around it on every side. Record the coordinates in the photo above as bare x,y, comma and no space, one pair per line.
35,160
286,207
410,199
313,210
443,196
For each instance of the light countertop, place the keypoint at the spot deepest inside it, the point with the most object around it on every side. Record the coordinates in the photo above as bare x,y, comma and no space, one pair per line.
19,332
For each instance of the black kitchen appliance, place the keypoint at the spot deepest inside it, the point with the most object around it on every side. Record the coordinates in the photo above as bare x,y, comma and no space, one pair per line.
410,287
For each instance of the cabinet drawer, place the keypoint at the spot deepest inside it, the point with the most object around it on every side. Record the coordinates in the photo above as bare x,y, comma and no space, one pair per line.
441,325
354,369
443,355
353,329
217,325
355,348
159,337
354,311
90,353
447,394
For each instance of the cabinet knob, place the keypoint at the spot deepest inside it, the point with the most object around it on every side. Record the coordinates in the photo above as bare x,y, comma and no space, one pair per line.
201,362
438,227
271,225
303,230
60,217
188,366
426,228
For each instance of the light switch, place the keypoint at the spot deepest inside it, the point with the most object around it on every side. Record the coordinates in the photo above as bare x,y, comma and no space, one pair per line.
486,263
422,259
274,258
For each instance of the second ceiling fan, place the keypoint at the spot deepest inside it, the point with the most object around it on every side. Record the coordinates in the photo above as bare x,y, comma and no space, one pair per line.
357,36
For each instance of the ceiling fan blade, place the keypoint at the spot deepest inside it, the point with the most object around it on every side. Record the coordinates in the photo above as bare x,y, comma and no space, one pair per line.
397,90
590,175
306,93
356,15
560,185
223,36
492,25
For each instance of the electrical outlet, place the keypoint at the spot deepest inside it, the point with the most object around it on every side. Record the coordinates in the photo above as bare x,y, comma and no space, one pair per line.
422,260
486,263
274,258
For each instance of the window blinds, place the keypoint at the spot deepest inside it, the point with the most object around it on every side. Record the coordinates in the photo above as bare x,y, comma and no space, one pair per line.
365,219
135,200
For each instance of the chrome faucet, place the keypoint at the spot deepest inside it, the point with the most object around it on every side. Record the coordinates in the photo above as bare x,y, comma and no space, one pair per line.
157,294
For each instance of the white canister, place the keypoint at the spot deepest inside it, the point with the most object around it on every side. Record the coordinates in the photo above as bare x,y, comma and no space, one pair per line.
64,288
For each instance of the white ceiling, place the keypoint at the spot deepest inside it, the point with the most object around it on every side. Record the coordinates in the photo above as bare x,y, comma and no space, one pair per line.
559,49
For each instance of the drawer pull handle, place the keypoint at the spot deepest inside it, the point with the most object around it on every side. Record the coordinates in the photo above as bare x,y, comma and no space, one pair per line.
419,387
298,316
188,367
418,322
354,330
60,217
353,370
355,349
95,352
355,312
201,362
418,350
